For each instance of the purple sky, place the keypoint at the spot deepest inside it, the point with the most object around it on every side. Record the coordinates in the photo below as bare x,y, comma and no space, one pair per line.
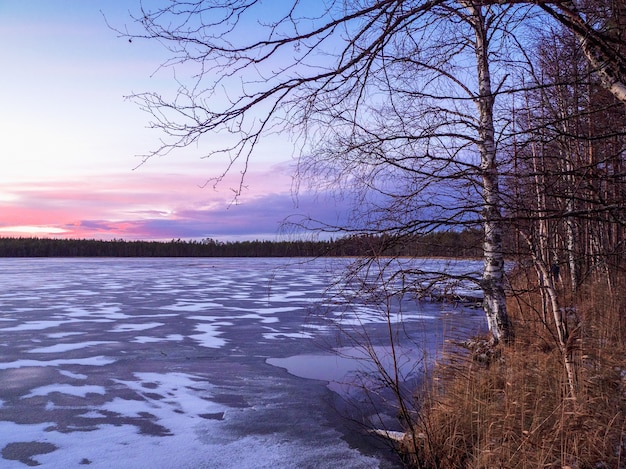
70,140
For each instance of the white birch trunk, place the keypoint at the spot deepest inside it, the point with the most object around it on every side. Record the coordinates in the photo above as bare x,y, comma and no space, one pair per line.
548,291
606,63
494,302
561,325
571,248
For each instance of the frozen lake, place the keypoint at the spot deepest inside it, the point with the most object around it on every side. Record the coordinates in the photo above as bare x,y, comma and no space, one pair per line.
193,363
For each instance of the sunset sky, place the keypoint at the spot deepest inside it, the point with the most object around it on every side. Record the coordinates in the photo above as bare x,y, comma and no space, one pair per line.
71,142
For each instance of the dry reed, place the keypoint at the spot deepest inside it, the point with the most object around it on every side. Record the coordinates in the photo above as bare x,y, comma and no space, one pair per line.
516,411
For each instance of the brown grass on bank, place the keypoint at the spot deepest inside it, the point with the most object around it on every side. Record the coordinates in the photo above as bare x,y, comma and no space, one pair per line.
516,412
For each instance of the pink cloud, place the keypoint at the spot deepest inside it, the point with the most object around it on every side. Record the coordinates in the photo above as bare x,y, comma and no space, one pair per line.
147,206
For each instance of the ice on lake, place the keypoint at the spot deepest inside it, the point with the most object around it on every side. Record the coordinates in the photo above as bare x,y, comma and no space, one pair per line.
189,363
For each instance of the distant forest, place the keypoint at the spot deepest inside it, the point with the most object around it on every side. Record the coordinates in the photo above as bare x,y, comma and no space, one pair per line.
465,244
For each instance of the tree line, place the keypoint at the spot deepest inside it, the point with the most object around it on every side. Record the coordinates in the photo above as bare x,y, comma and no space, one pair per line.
452,244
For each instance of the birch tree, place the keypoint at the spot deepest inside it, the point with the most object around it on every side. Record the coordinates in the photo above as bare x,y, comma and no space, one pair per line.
599,28
568,170
395,97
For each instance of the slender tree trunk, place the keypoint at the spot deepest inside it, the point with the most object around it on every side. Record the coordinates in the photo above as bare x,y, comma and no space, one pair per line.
561,326
566,157
542,228
494,303
550,298
603,56
571,247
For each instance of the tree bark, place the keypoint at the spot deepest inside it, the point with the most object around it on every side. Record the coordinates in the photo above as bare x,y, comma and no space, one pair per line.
494,302
605,59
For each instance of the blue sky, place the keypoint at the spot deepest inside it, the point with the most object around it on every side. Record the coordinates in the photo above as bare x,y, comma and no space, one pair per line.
71,140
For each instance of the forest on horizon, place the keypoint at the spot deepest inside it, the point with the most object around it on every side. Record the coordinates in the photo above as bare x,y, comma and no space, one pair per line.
464,244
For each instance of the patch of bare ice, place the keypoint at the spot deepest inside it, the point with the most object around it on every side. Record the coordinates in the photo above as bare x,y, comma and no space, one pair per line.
136,327
143,339
61,335
263,319
92,414
288,335
69,374
191,306
111,312
60,348
90,361
80,391
36,325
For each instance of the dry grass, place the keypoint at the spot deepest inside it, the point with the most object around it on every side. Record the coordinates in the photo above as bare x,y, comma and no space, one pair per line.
516,412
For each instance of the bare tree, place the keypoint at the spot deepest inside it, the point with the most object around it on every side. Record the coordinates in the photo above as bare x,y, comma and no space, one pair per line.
599,27
569,150
397,106
385,92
